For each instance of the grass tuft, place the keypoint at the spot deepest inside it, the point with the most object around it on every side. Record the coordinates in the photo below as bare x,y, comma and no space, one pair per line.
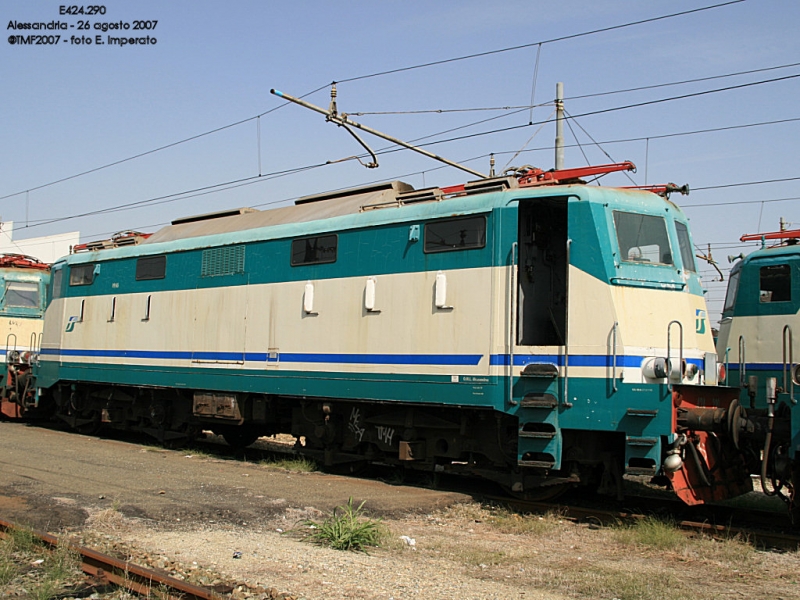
46,571
346,529
296,464
661,534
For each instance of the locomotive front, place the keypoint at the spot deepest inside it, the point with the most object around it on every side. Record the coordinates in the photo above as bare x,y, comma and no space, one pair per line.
760,316
609,324
23,283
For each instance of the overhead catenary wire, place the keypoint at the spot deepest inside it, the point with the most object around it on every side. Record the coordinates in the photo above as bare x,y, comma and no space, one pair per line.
618,108
569,98
154,150
256,179
541,42
377,74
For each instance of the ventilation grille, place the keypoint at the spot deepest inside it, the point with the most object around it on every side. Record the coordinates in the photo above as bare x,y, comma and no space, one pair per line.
228,260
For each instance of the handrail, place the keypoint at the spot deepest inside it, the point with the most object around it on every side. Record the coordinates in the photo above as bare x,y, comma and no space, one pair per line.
512,319
787,367
669,350
727,362
8,343
742,362
567,403
614,356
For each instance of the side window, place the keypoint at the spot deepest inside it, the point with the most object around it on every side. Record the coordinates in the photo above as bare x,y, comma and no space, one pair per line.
58,282
81,274
642,238
314,250
776,284
455,234
687,256
733,288
151,267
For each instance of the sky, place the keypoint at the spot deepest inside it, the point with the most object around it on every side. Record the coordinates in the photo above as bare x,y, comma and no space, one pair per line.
186,121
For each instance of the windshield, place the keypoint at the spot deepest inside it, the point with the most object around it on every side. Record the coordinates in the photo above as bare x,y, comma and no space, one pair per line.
22,295
733,287
642,238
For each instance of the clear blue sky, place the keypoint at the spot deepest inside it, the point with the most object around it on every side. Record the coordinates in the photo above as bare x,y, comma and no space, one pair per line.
70,108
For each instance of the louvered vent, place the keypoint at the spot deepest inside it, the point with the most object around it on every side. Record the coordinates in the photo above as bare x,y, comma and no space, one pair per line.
227,260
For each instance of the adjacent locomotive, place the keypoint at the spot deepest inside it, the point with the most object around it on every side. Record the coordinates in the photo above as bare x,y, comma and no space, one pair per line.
756,339
23,283
529,329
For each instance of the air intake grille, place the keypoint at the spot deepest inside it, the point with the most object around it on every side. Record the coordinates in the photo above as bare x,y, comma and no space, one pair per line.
228,260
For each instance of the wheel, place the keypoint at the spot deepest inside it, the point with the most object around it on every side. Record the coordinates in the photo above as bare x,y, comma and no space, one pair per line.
240,437
90,424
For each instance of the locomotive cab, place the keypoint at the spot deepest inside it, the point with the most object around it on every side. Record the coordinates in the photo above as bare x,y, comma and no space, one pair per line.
23,283
760,319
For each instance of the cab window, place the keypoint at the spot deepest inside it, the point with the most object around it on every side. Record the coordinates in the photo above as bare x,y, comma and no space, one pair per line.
82,274
21,294
733,288
687,256
775,284
642,238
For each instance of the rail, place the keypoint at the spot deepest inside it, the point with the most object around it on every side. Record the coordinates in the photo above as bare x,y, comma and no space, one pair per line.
107,569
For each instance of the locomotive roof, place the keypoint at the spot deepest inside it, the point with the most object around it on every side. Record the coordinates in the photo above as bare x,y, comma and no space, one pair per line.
774,252
361,207
310,208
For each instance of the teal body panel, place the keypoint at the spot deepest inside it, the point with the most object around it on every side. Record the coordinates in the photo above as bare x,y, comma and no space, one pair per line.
597,407
370,244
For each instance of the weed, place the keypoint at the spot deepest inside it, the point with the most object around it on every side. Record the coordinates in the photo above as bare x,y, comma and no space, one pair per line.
653,532
508,521
8,568
296,464
597,581
346,529
52,569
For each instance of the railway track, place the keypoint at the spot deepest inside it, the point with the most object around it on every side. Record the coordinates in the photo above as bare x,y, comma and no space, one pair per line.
106,570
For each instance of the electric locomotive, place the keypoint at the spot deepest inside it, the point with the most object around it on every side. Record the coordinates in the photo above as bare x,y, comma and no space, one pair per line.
760,315
529,329
23,284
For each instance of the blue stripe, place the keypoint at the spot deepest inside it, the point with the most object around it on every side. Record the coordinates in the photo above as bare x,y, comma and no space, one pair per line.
758,367
369,359
458,360
576,360
385,359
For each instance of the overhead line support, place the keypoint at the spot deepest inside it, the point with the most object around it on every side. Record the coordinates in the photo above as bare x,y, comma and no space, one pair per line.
342,120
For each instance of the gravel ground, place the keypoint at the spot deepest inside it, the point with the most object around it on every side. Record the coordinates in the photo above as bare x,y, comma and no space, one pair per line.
228,524
271,560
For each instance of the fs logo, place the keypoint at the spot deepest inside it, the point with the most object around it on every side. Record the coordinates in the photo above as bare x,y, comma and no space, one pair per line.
700,321
71,324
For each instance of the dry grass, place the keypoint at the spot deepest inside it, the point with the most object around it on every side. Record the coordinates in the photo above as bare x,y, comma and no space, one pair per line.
648,560
28,567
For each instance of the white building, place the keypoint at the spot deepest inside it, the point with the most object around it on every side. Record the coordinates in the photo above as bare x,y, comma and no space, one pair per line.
47,249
